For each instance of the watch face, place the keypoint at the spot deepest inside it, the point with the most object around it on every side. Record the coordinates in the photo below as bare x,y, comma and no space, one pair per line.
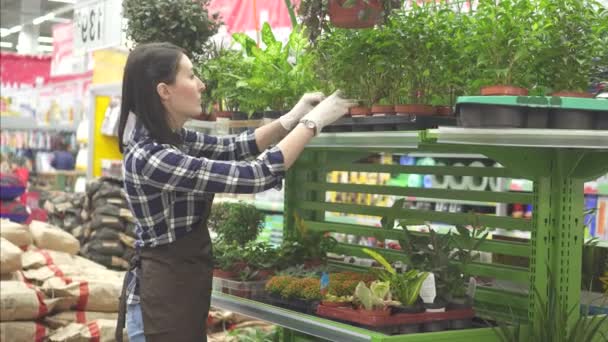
310,124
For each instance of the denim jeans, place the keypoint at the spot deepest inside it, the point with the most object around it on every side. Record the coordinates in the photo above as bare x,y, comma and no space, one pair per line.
135,323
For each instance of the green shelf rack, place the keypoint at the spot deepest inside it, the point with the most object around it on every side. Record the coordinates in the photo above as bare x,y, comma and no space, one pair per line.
538,102
557,165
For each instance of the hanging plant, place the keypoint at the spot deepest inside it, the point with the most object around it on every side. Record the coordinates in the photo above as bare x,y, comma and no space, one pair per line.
185,23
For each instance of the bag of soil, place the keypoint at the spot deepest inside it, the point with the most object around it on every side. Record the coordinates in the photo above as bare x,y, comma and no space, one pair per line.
10,257
101,330
50,237
84,295
16,233
82,317
24,332
100,221
110,248
21,301
36,258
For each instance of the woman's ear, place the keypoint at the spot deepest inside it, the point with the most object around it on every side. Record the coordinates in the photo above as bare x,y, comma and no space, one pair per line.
163,91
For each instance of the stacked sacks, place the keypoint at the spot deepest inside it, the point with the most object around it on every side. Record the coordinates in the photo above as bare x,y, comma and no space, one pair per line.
110,231
65,210
57,295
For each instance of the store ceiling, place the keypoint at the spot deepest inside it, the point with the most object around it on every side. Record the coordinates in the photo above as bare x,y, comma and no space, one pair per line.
20,12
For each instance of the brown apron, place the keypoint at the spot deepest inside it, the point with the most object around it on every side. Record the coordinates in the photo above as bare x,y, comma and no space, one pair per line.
175,283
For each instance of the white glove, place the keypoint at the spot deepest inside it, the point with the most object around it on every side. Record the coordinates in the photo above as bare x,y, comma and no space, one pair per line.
328,111
306,103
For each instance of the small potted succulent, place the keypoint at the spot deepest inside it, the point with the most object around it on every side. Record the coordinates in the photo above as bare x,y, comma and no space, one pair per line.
374,300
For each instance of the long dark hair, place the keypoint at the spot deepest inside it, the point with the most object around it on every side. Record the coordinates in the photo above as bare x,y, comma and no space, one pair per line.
146,67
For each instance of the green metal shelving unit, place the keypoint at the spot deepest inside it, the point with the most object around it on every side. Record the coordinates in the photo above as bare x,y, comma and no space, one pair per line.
558,165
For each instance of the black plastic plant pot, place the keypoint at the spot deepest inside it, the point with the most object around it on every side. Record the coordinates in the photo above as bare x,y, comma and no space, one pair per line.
537,118
458,324
360,127
409,329
411,309
572,119
383,128
602,120
256,116
470,115
503,116
272,114
435,325
239,116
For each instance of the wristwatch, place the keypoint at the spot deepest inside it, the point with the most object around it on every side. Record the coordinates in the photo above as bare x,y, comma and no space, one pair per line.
310,124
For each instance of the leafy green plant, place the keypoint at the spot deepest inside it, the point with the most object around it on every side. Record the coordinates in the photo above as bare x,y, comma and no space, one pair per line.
572,42
226,255
305,245
501,35
405,286
222,74
279,73
185,23
276,284
260,255
254,334
236,222
552,324
375,297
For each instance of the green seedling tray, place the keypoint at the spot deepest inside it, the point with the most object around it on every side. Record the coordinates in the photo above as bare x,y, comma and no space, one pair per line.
537,101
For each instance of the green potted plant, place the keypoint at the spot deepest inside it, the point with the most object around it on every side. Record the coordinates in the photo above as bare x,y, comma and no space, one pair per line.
237,223
185,23
305,246
375,299
262,257
227,260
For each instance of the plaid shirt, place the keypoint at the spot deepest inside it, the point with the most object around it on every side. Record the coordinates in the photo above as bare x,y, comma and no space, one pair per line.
165,185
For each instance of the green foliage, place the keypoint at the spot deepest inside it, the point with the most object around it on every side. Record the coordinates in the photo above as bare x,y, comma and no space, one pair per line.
185,23
226,255
236,222
279,73
254,334
222,74
374,297
304,288
305,245
260,255
276,284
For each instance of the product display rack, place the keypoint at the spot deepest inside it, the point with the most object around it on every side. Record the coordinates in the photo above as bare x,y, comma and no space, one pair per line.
556,230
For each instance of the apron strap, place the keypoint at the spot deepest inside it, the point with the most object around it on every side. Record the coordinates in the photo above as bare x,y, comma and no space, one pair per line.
122,305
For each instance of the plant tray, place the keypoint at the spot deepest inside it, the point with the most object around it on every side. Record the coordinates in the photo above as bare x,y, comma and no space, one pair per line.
354,316
244,289
389,123
532,112
298,305
537,101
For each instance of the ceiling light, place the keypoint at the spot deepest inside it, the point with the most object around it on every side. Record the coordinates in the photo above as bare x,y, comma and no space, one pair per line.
10,31
44,18
45,39
7,45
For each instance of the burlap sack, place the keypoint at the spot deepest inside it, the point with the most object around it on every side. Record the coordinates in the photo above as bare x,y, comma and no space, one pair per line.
113,262
64,318
101,330
20,301
107,210
106,234
85,295
16,233
69,272
23,332
37,257
10,257
51,237
14,276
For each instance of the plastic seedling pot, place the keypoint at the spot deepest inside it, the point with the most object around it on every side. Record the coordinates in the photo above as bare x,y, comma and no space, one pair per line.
537,118
572,119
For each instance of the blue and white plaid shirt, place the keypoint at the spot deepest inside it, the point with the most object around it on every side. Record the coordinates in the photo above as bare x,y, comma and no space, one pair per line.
165,185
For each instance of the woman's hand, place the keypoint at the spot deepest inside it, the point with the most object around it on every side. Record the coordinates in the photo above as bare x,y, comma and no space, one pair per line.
303,107
328,111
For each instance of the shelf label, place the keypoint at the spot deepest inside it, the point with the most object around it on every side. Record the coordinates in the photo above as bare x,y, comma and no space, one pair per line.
98,25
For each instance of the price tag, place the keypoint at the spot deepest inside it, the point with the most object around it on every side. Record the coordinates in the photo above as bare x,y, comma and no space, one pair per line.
428,292
98,25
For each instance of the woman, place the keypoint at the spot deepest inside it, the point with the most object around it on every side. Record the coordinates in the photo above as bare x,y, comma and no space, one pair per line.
171,175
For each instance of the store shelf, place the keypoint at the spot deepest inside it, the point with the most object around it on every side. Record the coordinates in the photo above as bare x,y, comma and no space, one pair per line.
435,200
26,123
366,140
307,324
544,138
448,155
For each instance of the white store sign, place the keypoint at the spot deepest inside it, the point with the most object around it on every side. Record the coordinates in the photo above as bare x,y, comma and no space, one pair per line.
98,24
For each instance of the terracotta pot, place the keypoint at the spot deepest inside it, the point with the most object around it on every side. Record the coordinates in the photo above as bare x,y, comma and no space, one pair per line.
503,90
223,114
224,274
417,109
360,15
359,111
239,266
572,94
444,110
378,110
